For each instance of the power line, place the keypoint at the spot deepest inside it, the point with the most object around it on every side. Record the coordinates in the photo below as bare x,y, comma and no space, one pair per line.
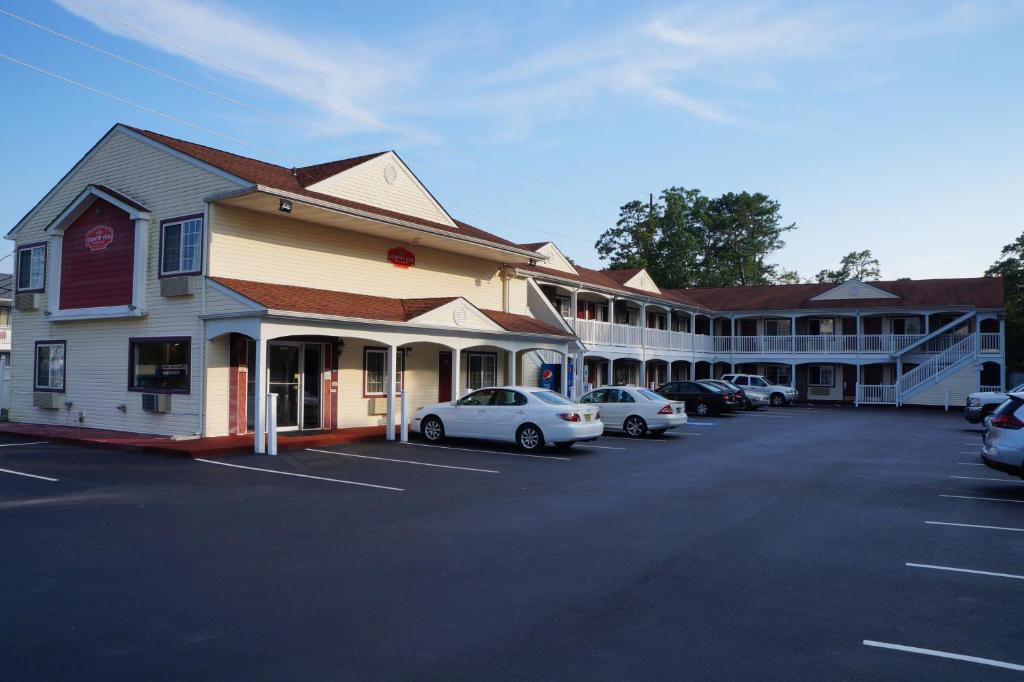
297,95
288,121
204,129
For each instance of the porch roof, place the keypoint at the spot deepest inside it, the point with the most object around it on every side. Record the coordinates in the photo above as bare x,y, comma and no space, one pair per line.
289,298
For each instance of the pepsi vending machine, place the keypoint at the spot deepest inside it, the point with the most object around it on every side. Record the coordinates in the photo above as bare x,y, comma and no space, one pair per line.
551,377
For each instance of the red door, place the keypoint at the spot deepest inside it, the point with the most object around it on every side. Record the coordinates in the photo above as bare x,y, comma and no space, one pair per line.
444,376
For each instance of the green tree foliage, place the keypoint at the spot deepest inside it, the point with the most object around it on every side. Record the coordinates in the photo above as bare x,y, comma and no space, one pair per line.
854,265
689,240
1011,266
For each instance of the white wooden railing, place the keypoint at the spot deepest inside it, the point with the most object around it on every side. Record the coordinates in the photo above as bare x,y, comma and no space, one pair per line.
882,394
989,342
935,365
991,389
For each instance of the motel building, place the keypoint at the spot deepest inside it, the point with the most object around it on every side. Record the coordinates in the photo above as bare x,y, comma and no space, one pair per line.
164,287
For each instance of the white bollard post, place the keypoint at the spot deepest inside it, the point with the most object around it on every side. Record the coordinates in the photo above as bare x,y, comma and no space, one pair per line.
947,400
404,416
271,423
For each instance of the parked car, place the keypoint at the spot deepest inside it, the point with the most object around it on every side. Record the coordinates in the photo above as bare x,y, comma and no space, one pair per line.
525,415
749,399
635,410
701,399
778,394
1003,444
983,403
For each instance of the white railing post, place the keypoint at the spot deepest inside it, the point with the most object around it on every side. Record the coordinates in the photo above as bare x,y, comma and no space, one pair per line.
404,416
271,421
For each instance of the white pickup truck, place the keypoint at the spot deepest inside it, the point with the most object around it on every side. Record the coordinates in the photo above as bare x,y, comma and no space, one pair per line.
984,403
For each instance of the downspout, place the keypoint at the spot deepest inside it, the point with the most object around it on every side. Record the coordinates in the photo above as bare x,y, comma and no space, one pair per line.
204,370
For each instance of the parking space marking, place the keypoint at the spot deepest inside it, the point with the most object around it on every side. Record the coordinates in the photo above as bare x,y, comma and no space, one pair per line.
645,440
491,452
971,525
691,433
988,499
967,570
290,473
972,464
22,473
968,452
600,447
35,442
944,654
691,423
999,480
404,461
773,416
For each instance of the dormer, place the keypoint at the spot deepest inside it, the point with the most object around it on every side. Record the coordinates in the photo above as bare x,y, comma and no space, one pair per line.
556,260
853,289
638,279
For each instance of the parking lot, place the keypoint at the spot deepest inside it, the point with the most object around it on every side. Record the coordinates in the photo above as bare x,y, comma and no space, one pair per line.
801,542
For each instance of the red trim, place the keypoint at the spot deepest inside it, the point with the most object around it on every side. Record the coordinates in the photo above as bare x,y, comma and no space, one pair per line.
35,358
401,351
158,339
202,239
17,267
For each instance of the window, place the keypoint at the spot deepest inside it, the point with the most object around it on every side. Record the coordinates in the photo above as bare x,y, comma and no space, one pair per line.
821,375
5,317
181,246
375,371
598,396
50,369
740,381
757,381
906,325
617,395
32,267
564,307
552,398
778,374
822,326
479,398
160,365
651,395
508,398
777,327
481,370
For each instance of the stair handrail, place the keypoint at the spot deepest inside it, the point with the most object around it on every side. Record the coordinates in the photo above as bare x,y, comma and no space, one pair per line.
938,332
955,353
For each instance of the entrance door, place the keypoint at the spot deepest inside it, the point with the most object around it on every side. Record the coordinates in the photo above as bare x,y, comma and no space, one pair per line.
444,376
283,370
849,382
312,386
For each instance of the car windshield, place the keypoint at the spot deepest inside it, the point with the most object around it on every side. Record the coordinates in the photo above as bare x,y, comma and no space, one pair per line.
552,398
651,395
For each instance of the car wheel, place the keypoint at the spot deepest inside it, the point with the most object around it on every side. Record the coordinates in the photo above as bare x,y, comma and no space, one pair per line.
635,426
778,400
530,437
702,409
432,429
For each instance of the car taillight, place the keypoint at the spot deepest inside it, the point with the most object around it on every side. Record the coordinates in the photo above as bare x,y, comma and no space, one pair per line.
1007,421
569,416
665,410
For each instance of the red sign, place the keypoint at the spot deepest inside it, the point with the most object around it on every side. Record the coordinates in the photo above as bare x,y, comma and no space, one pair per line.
401,257
99,237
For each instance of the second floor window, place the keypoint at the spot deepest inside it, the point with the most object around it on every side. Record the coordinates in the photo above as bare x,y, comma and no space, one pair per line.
181,246
32,267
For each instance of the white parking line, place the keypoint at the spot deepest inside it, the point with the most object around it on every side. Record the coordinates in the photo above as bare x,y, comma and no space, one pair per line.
22,473
35,442
987,499
969,452
1000,480
600,447
967,570
490,452
774,416
971,525
289,473
404,461
944,654
691,433
645,440
972,464
692,423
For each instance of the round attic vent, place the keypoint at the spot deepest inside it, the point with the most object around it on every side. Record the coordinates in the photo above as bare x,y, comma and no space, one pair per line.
459,315
390,174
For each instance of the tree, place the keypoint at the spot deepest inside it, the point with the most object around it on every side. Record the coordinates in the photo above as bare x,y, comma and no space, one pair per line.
1010,266
687,239
854,265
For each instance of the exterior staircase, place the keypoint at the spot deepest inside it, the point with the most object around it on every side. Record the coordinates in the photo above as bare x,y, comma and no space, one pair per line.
936,368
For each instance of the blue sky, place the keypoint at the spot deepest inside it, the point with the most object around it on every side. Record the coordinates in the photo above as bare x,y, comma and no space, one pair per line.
894,127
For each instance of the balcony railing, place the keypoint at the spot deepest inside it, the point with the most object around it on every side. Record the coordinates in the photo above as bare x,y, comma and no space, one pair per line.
883,394
632,336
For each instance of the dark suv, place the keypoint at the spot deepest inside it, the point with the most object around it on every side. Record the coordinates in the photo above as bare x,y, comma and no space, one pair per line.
701,399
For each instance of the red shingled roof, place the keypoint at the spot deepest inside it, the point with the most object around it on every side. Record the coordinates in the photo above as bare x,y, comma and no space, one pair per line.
285,297
980,292
297,180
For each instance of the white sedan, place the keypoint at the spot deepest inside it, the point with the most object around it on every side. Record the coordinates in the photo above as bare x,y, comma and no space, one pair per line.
525,415
636,410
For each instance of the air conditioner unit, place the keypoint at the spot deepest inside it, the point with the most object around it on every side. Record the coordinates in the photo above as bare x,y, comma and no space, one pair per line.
156,402
26,301
379,406
47,400
184,285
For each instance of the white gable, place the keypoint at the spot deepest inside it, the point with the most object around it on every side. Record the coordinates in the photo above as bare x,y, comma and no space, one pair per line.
643,281
385,182
556,259
460,314
853,289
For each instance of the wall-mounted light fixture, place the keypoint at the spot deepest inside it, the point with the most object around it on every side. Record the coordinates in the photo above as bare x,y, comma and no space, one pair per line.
285,206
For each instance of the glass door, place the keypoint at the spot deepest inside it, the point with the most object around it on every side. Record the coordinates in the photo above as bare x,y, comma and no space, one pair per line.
284,378
312,386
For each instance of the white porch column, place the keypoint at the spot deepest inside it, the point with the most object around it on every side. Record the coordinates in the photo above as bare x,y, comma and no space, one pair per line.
792,338
927,324
392,389
732,342
565,372
456,374
259,420
573,303
899,373
510,372
610,379
579,366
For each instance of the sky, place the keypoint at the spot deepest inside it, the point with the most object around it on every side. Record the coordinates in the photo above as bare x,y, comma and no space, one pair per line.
889,126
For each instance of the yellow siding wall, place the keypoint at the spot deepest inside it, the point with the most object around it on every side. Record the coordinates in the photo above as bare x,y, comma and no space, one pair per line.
218,383
254,246
960,384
